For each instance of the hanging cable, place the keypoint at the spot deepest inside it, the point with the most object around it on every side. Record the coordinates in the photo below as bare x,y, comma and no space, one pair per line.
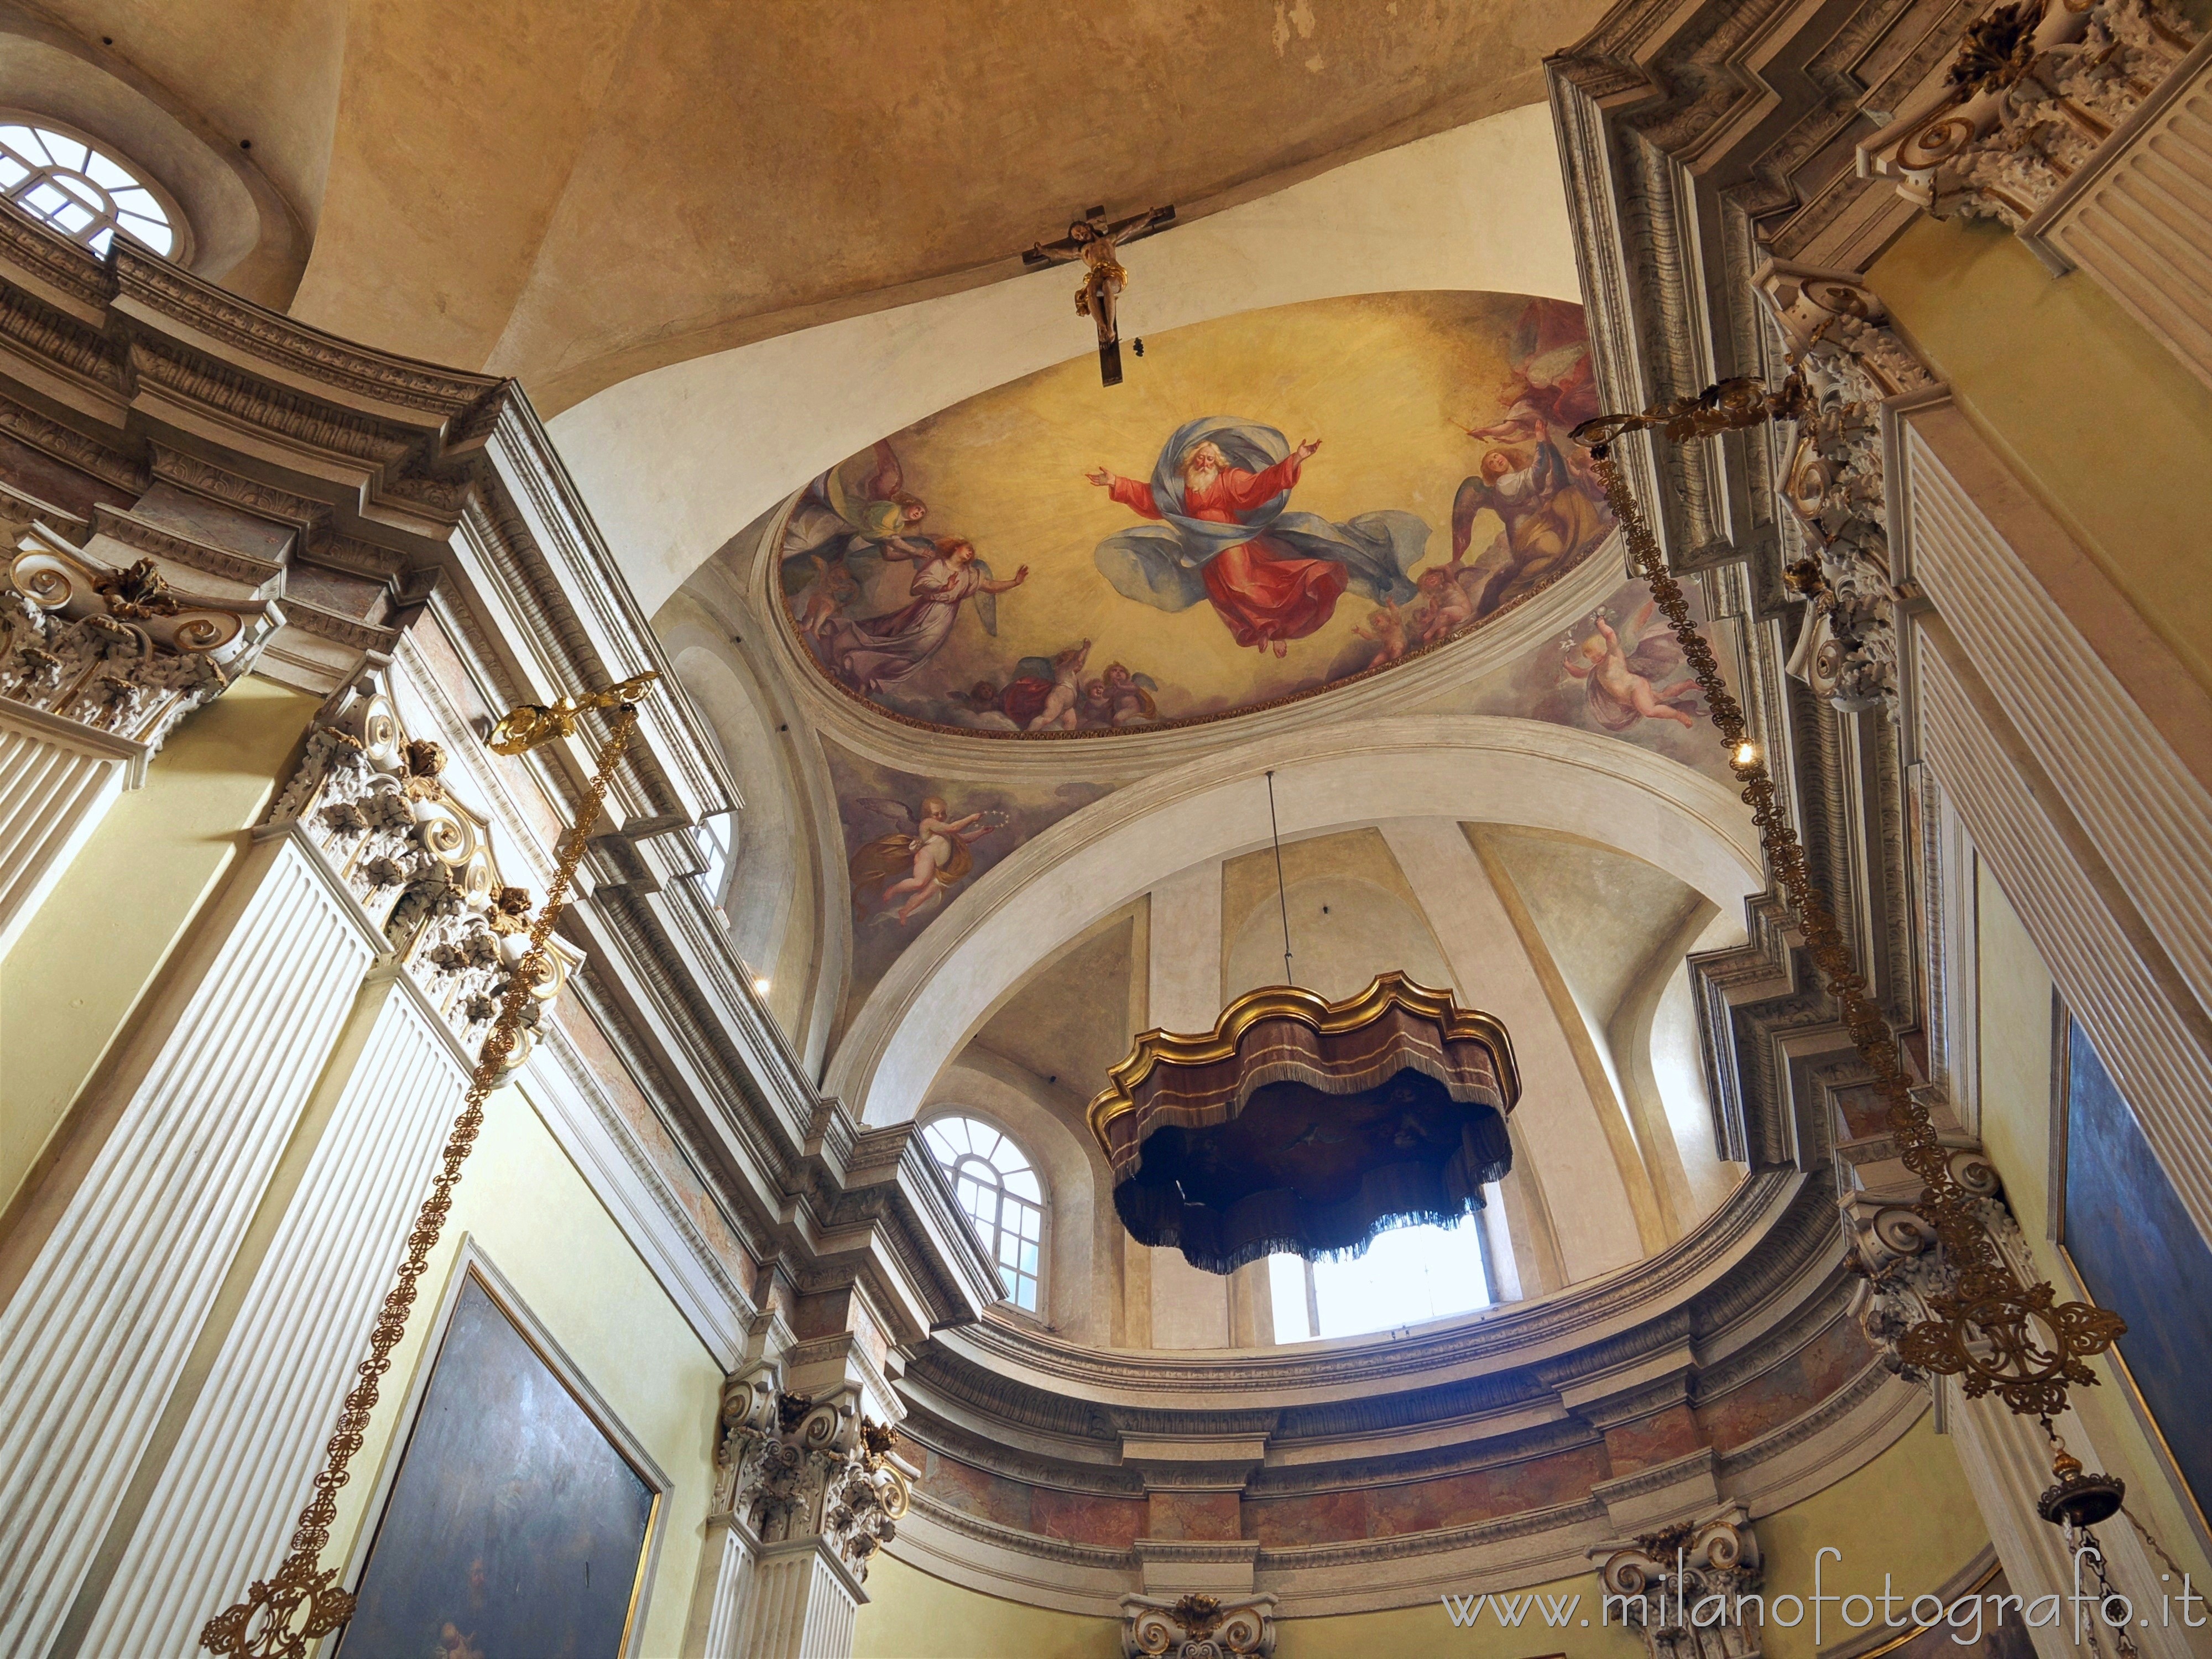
1281,899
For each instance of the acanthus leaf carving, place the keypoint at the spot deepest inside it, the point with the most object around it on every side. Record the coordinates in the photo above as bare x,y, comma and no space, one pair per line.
790,1467
117,650
1849,360
1678,1587
1197,1625
419,862
2034,92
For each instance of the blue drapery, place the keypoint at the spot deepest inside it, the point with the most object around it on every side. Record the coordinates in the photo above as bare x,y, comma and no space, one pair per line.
1164,564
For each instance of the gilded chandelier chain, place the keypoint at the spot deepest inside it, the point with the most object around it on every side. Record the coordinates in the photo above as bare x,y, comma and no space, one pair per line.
282,1615
1990,1331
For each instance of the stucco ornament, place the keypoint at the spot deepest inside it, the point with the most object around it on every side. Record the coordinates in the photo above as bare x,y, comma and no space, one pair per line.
117,650
419,863
2034,90
1849,361
1678,1587
1198,1626
791,1466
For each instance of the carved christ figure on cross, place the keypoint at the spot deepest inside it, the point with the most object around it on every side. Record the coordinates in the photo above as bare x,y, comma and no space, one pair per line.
1093,239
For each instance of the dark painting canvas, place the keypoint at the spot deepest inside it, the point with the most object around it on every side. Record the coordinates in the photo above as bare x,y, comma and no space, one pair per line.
2140,1254
515,1528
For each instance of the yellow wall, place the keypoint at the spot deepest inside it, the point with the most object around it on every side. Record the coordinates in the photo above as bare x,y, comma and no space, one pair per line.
527,1207
2014,993
2091,411
84,961
1908,1513
911,1615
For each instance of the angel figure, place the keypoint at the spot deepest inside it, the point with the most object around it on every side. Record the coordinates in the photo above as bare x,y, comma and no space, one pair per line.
1387,628
1624,682
855,506
1129,696
825,598
878,651
930,847
1445,607
1093,239
1059,712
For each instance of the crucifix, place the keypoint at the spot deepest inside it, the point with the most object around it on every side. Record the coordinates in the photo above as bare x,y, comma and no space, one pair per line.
1093,238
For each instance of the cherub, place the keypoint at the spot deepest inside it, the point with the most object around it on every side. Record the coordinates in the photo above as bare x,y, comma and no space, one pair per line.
1096,707
1131,696
1622,682
1446,607
826,597
1058,710
932,846
1386,626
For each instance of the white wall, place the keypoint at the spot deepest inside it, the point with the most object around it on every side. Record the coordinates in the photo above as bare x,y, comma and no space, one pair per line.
675,462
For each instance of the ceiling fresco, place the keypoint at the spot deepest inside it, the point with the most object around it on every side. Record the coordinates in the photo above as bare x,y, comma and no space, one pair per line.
1272,504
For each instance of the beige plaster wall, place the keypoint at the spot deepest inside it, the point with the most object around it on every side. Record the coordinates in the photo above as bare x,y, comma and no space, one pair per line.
2099,420
89,956
526,1206
911,1615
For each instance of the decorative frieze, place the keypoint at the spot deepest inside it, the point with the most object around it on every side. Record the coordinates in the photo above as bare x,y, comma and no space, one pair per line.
2033,93
1839,344
418,861
1198,1626
1679,1588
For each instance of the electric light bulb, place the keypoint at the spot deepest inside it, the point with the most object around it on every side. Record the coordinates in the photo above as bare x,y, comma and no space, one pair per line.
1747,753
760,984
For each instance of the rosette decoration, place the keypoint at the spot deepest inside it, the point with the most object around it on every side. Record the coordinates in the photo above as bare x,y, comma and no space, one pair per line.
1303,1126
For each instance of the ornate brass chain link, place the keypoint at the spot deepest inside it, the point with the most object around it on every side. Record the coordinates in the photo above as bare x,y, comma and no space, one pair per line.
282,1615
1991,1332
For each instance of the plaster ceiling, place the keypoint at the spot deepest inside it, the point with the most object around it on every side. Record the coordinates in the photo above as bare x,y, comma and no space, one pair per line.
574,194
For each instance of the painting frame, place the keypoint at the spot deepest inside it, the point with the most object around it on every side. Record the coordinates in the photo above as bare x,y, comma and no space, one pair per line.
472,1264
2076,1288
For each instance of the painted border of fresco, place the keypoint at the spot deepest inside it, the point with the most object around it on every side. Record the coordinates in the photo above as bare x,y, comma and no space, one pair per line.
472,1263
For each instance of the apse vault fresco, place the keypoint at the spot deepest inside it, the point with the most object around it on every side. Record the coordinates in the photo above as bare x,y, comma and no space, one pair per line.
1270,505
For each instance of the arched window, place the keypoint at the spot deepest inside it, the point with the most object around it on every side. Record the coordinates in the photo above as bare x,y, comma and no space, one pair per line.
79,189
999,1190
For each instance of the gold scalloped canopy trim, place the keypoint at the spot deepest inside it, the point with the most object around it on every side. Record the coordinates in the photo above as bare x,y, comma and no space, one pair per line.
1272,1002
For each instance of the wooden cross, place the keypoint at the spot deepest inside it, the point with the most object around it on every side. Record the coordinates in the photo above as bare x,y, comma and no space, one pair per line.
1093,239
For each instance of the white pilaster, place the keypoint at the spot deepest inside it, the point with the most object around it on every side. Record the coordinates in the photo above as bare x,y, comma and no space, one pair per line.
2138,218
52,795
245,1463
719,1596
1557,1121
2007,1466
94,1339
802,1604
2071,791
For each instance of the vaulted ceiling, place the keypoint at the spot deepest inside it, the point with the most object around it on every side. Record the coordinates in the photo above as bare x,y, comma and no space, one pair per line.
575,192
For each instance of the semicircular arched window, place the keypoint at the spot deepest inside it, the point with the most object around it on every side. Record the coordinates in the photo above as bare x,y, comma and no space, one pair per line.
1000,1191
79,189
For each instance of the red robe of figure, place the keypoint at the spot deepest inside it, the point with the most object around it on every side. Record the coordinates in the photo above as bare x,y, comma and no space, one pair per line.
1266,593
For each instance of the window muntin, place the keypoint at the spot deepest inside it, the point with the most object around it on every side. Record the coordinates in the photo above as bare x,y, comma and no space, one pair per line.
999,1194
81,190
717,840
